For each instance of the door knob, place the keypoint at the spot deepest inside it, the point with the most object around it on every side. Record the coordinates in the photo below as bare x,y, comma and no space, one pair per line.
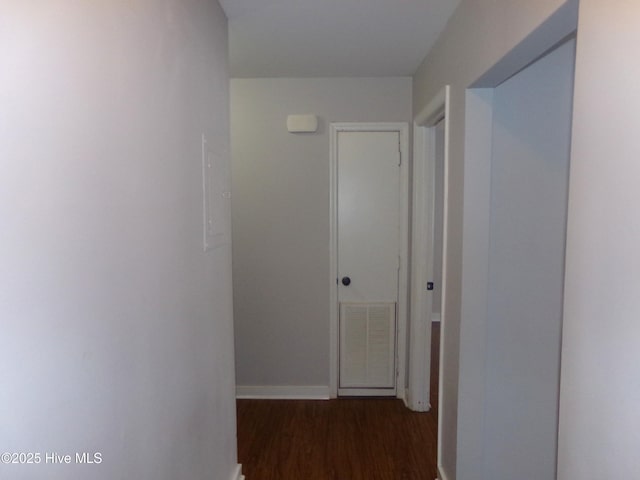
346,281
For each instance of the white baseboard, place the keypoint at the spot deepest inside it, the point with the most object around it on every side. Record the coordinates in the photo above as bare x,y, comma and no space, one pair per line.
402,394
237,473
441,475
407,398
272,392
413,405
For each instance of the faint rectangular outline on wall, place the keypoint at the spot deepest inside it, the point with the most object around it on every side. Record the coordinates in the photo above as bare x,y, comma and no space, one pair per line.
214,199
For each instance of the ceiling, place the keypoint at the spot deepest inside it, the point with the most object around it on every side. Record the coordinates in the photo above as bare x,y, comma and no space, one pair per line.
332,38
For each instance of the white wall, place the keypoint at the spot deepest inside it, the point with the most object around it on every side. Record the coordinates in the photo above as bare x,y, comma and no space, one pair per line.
529,182
281,218
600,391
483,40
116,326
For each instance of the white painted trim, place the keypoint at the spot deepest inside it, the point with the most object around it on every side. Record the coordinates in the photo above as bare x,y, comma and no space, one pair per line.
441,474
475,271
445,267
422,260
418,383
272,392
403,284
334,308
237,473
368,392
401,324
435,109
436,318
407,397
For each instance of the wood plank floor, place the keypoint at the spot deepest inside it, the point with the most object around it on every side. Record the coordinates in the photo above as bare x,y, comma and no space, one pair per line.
344,439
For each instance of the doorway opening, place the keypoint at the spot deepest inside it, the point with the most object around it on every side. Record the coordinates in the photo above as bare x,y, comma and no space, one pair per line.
518,142
429,258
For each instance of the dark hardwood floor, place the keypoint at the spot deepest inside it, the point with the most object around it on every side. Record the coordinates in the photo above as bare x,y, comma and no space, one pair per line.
344,439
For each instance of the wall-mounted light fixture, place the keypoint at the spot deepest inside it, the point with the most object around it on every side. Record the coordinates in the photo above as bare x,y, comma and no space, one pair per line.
302,123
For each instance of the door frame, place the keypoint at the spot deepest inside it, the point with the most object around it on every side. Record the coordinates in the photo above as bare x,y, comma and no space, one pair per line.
422,258
401,319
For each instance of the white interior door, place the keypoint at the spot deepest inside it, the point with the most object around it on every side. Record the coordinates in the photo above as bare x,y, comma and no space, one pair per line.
368,167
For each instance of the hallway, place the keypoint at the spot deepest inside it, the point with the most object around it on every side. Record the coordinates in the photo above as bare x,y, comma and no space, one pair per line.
344,439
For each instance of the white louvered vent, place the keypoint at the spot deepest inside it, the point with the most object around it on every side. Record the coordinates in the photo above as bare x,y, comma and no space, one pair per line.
367,338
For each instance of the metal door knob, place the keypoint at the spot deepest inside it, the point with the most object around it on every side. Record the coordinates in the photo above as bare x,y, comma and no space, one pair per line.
346,281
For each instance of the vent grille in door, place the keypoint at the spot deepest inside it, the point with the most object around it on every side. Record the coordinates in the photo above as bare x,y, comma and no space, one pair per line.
367,343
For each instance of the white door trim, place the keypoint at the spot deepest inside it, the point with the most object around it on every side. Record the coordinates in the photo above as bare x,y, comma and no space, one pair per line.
401,324
422,258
